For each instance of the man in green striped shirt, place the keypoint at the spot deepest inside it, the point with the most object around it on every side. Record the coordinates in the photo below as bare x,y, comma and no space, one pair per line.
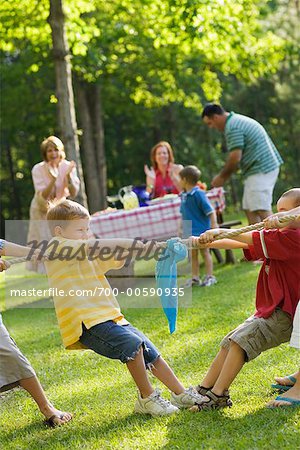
251,148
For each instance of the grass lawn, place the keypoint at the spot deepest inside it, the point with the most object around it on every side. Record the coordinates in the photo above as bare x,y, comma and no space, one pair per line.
101,394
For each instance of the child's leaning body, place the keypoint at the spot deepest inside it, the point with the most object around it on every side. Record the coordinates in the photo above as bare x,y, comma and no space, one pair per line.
277,297
277,291
89,315
86,297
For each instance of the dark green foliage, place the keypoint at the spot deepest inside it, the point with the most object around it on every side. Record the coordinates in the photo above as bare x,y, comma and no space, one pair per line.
157,63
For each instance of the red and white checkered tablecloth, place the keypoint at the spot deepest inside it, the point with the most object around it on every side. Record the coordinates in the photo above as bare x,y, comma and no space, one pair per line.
158,221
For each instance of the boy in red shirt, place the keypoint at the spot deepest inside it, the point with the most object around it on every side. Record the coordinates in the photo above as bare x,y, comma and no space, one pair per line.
290,384
277,297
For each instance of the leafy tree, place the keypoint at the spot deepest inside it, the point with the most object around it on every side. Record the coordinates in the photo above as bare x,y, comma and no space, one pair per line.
64,88
143,70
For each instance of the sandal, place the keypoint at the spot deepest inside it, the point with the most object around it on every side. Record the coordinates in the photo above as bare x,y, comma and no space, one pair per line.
214,402
284,387
291,401
202,390
52,423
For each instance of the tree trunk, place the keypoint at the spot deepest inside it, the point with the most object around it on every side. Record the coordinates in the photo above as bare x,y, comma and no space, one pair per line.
92,175
99,144
15,197
170,123
64,89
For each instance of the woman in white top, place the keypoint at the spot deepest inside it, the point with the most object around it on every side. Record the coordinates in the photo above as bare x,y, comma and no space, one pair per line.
54,178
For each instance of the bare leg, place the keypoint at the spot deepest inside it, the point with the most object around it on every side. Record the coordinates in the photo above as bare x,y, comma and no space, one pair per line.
138,372
166,375
161,370
231,367
252,217
257,216
195,263
34,388
207,261
263,214
215,369
293,393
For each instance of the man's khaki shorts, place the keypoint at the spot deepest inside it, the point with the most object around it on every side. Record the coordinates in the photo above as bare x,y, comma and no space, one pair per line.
258,191
256,334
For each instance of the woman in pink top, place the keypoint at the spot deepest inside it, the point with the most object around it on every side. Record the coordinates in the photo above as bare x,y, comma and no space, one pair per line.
54,178
162,178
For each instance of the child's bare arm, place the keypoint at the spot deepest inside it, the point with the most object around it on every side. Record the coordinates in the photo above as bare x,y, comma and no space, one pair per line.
273,220
11,249
225,244
210,235
245,238
119,249
123,249
114,244
148,248
4,265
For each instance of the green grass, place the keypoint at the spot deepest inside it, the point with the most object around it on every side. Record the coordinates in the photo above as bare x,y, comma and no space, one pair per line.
101,394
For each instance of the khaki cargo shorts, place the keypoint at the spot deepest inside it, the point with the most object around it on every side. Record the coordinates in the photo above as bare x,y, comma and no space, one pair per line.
257,334
258,191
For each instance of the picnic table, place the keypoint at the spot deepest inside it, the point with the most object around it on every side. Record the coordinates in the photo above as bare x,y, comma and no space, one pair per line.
159,220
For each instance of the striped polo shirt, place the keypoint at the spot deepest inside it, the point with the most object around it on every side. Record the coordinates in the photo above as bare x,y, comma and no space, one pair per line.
259,154
81,292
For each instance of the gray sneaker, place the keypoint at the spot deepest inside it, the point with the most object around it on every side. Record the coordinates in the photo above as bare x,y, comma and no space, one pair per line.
155,405
192,282
188,398
209,280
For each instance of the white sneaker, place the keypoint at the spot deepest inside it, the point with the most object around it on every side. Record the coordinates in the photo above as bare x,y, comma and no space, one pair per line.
209,280
154,405
187,399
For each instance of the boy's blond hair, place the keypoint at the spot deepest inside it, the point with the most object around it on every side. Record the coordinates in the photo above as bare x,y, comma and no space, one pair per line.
294,195
62,211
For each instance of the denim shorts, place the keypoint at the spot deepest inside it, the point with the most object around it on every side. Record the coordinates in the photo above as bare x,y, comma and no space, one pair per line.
119,342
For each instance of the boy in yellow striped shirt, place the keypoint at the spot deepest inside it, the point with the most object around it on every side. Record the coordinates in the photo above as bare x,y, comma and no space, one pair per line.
95,321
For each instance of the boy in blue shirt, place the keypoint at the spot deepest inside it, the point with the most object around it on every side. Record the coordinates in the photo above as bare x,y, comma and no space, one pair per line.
198,216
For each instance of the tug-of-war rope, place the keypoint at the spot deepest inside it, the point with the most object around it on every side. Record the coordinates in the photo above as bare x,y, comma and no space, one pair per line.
237,231
226,234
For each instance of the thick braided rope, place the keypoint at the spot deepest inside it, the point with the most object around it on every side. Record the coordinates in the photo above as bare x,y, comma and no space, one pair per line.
226,234
17,260
237,231
256,226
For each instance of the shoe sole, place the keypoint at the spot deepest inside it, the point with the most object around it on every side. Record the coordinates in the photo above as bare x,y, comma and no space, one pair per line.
198,408
146,413
184,406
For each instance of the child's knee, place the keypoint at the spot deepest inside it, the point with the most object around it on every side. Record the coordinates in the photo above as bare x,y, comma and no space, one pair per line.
235,347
